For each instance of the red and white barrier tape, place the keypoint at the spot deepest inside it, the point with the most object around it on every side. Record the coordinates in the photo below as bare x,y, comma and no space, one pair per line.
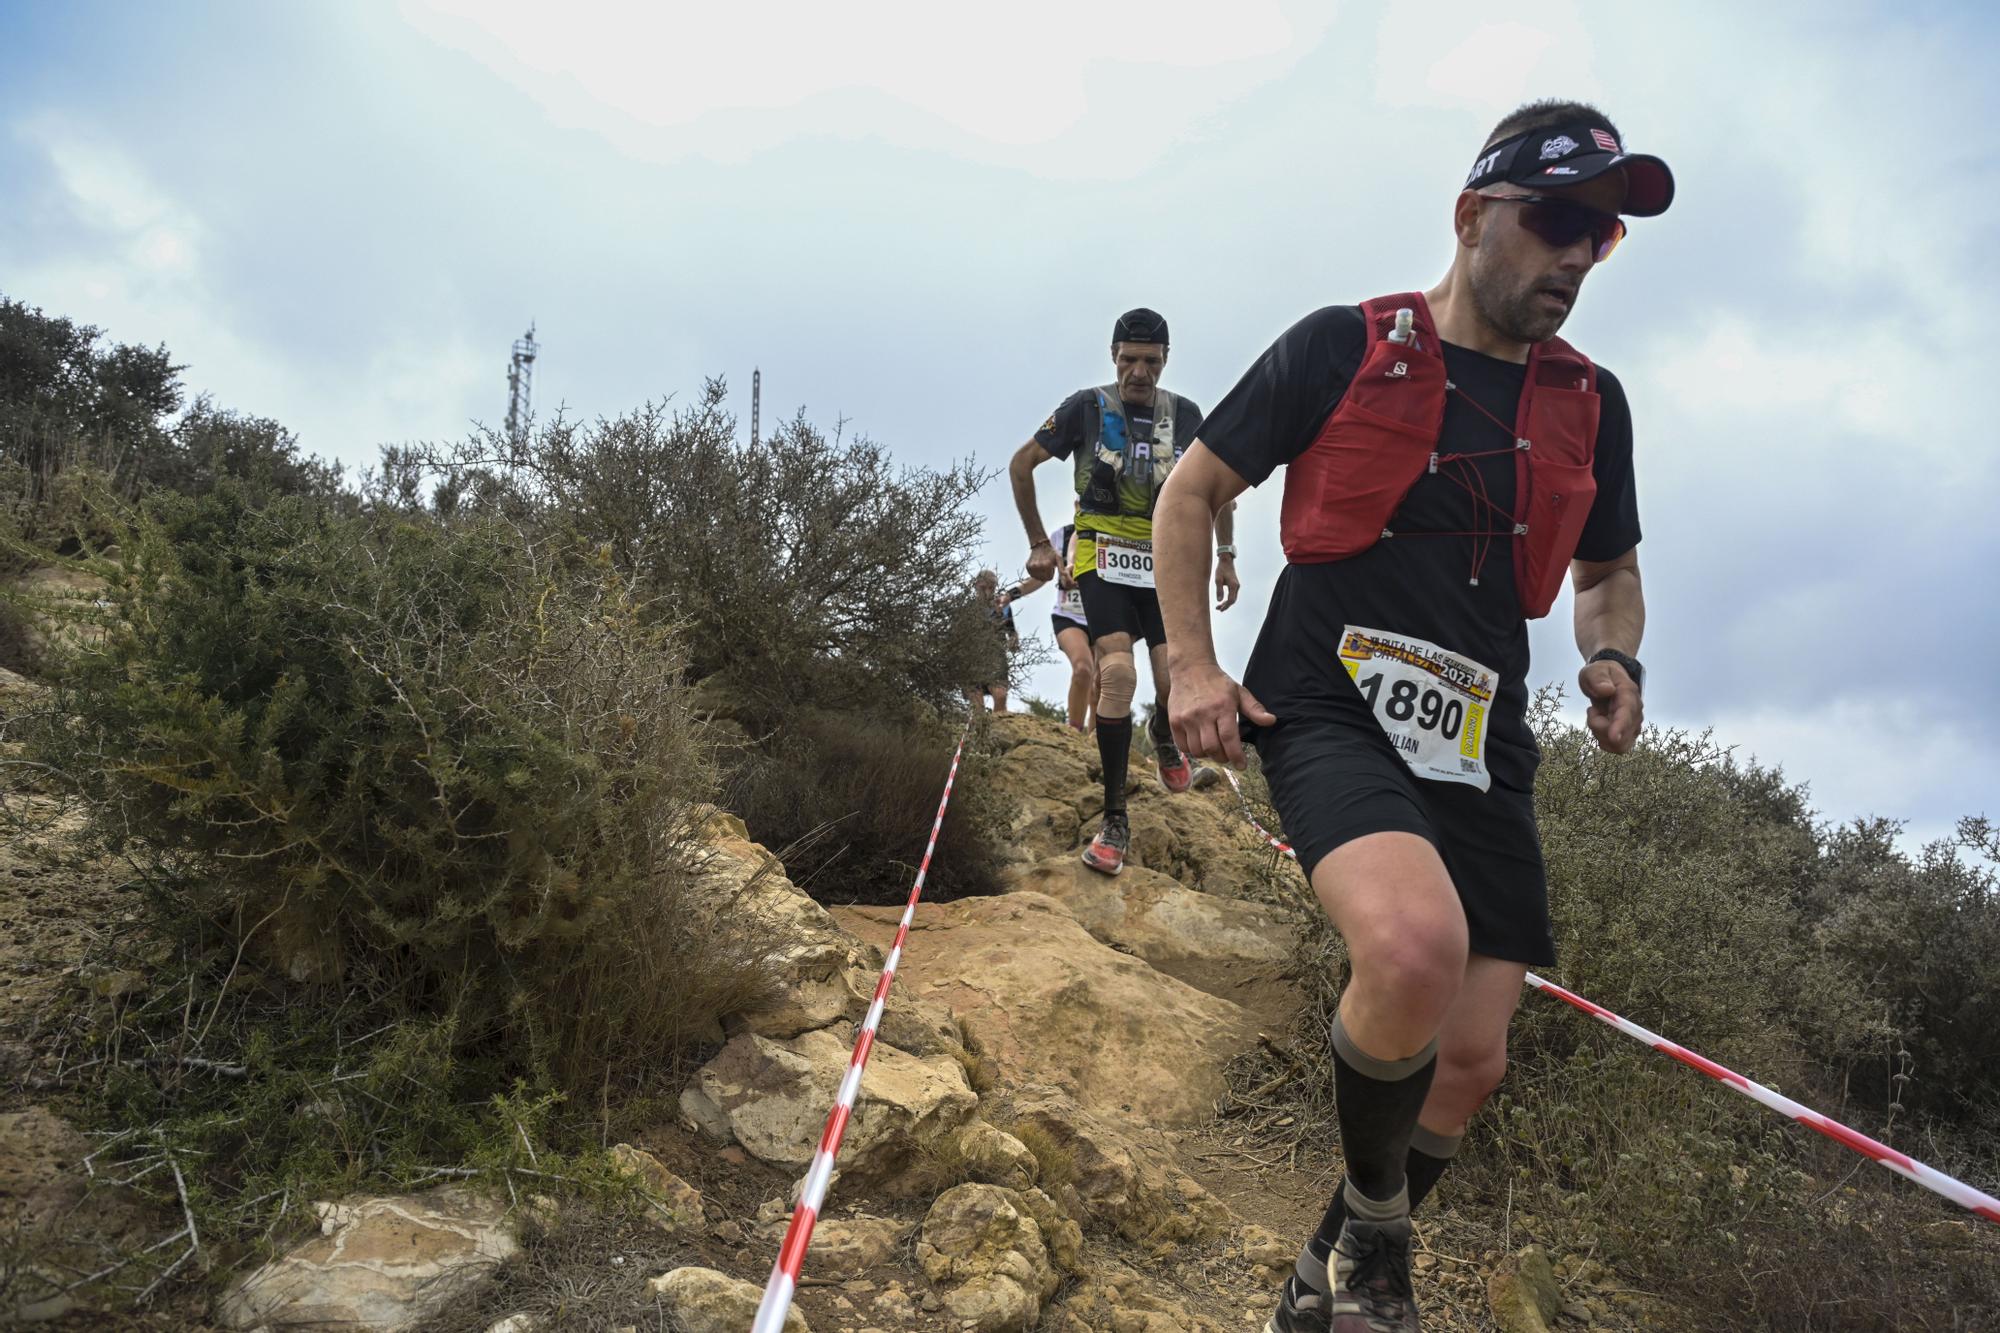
1277,844
792,1254
1960,1193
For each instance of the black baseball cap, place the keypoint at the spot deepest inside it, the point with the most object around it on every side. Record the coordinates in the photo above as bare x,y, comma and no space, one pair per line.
1140,326
1571,155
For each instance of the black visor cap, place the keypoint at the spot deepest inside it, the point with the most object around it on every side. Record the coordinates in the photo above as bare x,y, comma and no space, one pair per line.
1570,155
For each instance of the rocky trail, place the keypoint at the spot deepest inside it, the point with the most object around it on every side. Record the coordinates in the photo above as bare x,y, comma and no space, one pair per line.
1036,1145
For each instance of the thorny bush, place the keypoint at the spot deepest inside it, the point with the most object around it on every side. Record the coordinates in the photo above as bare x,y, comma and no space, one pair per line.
850,802
415,807
809,569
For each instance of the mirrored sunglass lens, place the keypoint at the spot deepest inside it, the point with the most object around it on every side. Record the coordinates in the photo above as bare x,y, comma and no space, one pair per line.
1562,224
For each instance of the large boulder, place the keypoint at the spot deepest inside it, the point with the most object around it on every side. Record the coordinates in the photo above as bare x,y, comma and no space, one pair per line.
1194,936
1046,826
772,1097
842,1247
1047,1003
1123,1183
387,1263
815,961
701,1300
1046,769
983,1243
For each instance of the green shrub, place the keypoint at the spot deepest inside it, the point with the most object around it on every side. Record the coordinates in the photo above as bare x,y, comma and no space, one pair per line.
413,806
850,802
809,570
428,749
1047,711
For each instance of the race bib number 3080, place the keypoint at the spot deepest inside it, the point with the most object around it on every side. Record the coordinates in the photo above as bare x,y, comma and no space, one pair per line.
1431,702
1126,562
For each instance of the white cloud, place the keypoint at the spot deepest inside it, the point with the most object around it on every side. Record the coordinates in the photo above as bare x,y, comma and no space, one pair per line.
1085,86
145,277
110,193
1492,69
1891,755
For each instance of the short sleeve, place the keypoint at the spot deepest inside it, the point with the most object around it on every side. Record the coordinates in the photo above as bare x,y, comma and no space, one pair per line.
1188,428
1613,526
1276,410
1062,434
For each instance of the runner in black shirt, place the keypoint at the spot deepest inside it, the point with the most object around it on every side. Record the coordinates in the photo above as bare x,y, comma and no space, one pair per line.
1441,451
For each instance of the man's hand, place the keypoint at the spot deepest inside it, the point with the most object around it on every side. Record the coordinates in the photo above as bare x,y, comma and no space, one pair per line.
1042,561
1203,707
1616,710
1227,586
1064,579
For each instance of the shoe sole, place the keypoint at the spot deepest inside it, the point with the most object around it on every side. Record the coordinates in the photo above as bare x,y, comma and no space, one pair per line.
1113,873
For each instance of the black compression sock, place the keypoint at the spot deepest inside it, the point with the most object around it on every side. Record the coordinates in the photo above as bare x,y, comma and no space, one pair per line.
1430,1154
1114,751
1377,1101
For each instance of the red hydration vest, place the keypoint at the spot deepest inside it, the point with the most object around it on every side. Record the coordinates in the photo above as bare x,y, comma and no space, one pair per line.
1342,492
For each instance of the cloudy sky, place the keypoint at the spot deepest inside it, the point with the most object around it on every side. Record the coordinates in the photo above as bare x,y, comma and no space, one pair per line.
923,218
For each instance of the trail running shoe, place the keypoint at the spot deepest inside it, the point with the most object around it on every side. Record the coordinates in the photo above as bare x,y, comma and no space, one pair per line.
1371,1279
1300,1310
1175,772
1106,853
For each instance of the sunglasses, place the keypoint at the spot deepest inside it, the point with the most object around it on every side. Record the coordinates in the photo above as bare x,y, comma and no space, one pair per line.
1561,223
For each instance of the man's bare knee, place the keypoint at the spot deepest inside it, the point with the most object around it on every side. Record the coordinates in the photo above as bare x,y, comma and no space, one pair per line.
1465,1079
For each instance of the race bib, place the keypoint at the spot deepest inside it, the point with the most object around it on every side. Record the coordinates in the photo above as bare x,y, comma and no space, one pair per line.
1126,562
1069,603
1432,703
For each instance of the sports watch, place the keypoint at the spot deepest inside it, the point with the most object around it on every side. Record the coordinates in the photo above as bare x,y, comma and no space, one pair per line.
1226,548
1631,665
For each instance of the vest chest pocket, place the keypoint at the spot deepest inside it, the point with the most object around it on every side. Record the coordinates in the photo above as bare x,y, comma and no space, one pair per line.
1561,488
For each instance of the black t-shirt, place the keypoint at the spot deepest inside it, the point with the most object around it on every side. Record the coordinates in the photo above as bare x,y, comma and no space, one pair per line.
1416,583
1063,433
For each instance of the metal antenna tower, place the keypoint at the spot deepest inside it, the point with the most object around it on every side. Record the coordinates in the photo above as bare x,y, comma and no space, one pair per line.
520,385
756,402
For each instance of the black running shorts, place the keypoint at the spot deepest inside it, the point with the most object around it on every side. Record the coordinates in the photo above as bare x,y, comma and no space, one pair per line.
1115,608
1061,623
1333,782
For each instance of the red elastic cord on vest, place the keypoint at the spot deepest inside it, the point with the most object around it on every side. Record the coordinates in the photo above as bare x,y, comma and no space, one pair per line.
1467,477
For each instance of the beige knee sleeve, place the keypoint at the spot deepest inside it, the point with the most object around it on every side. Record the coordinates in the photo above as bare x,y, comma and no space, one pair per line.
1117,682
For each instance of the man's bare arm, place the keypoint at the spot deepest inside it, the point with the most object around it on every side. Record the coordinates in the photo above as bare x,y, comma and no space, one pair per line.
1204,703
1227,586
1610,613
1610,604
1021,472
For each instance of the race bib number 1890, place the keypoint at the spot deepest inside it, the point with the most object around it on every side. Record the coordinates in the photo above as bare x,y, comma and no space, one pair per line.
1432,703
1126,562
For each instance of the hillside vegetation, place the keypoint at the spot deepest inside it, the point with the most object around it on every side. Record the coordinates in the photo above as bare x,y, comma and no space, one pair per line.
409,810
